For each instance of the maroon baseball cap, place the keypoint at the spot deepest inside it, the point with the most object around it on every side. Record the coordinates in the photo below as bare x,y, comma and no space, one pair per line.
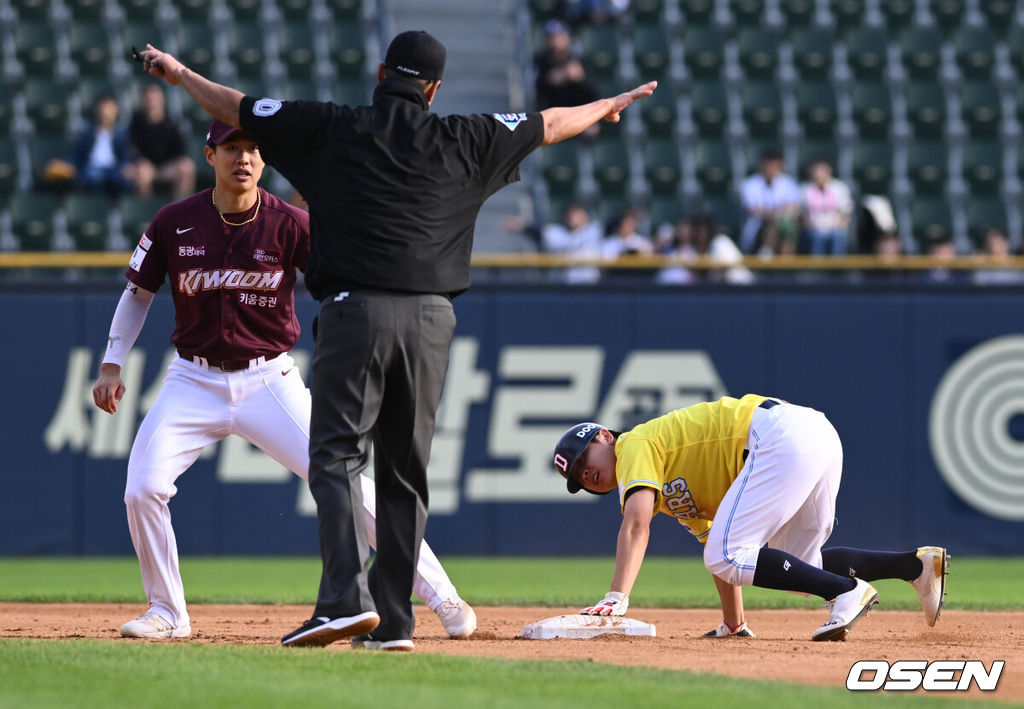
220,132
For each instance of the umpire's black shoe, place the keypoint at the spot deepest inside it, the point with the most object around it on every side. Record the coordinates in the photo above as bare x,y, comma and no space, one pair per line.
322,630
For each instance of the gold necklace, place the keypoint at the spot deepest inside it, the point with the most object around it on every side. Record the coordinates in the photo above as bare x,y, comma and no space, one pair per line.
213,198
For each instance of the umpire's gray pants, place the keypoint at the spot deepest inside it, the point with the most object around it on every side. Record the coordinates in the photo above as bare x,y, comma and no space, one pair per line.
378,372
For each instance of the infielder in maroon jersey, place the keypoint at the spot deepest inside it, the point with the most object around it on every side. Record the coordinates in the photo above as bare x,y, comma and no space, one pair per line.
231,254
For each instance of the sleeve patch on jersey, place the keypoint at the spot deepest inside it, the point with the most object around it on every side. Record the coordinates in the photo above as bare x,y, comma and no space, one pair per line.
266,107
138,256
510,120
145,242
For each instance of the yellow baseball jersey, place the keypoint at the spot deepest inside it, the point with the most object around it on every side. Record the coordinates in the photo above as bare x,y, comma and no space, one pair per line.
689,457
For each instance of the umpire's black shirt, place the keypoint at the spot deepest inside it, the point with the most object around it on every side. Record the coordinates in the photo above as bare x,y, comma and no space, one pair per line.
393,189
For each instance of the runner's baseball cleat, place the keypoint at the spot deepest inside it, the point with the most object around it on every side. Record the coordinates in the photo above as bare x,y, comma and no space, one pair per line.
457,617
151,625
845,610
931,584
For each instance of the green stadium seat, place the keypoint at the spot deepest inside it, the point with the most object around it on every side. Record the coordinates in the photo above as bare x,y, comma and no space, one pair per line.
295,10
949,14
650,52
926,108
816,108
300,90
1015,43
983,166
697,12
799,13
600,47
6,108
927,166
648,11
866,52
348,47
8,169
192,11
981,108
724,208
245,10
872,166
197,118
812,52
755,147
658,113
713,166
46,104
88,220
85,10
296,48
984,212
345,9
931,219
871,105
139,10
815,149
662,167
1019,101
921,50
747,12
136,214
848,14
710,107
32,220
196,40
611,167
999,15
31,10
898,13
90,48
42,149
758,52
36,48
762,108
245,47
351,91
139,31
975,51
560,167
543,10
610,207
703,51
253,86
89,89
663,210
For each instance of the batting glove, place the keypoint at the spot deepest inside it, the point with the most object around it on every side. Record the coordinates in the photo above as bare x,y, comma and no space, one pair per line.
614,603
724,631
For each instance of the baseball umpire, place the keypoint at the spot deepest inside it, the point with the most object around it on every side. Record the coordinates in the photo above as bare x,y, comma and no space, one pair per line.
231,253
394,191
756,480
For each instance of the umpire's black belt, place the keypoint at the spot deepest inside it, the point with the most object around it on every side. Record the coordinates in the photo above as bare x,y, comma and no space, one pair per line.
766,404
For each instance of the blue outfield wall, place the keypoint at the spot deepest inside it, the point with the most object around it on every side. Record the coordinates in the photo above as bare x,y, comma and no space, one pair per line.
925,387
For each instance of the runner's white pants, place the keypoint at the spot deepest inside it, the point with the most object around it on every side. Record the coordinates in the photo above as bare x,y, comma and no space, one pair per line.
784,497
268,406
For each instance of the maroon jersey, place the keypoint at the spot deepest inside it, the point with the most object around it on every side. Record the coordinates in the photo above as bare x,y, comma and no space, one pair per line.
232,285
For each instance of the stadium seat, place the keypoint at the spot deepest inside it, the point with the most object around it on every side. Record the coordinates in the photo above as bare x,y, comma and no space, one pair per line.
8,169
812,52
36,48
611,167
348,47
600,46
345,9
975,51
196,42
799,13
664,210
650,52
762,108
816,108
872,166
46,103
245,10
949,14
192,11
300,90
983,213
139,10
927,166
296,49
921,50
31,10
749,13
136,214
42,149
703,51
926,108
697,12
983,166
88,220
931,219
648,11
872,108
542,10
848,14
89,89
245,47
981,108
90,48
758,52
560,167
351,91
999,15
724,208
85,10
32,220
138,31
713,166
662,166
898,13
815,149
866,52
658,113
755,147
1015,43
710,107
294,10
6,108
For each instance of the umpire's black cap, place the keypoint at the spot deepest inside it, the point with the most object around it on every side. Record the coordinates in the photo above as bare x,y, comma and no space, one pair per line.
417,54
569,449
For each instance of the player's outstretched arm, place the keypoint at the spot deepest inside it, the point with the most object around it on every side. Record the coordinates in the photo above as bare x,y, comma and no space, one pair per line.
564,122
219,101
629,552
129,317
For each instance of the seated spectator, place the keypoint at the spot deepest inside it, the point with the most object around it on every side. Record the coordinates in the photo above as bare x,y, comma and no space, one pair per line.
876,220
699,235
889,249
827,206
942,249
577,235
996,249
771,241
624,238
771,194
102,153
162,157
561,78
676,242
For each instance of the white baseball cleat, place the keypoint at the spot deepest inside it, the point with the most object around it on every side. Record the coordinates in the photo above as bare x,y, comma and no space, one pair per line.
457,617
845,610
151,625
931,584
368,642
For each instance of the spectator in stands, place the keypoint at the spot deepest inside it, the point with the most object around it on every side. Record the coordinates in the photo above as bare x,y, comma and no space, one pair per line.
889,249
996,249
102,153
162,157
876,220
771,194
827,206
577,234
624,238
942,250
699,235
561,77
595,11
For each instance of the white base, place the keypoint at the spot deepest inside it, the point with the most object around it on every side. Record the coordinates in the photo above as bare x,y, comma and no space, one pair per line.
586,626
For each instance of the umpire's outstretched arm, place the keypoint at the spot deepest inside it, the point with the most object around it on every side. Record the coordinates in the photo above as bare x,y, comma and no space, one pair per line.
566,122
219,101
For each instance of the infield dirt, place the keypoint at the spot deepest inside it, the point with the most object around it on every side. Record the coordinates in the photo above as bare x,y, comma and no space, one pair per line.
782,649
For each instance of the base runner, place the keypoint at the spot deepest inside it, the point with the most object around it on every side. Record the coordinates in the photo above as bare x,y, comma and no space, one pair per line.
231,254
755,479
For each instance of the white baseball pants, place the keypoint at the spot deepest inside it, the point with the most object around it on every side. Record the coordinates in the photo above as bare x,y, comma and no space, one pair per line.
784,497
268,406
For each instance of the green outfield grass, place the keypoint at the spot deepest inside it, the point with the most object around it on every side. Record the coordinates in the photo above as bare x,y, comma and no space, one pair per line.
85,673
